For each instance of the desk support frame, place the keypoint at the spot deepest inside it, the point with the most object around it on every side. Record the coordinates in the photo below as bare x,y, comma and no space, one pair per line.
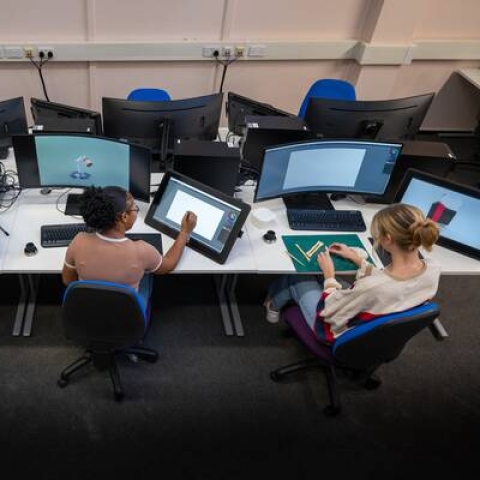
26,304
232,322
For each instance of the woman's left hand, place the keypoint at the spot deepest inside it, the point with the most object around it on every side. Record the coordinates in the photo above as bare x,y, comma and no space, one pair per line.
325,263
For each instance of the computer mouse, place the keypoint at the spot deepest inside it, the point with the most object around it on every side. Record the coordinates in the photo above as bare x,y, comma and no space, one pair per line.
269,237
30,249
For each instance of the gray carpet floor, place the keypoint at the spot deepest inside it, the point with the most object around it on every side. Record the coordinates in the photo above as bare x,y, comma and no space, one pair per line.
208,409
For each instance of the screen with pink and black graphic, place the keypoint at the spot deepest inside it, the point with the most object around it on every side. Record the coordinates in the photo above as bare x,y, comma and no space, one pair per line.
456,213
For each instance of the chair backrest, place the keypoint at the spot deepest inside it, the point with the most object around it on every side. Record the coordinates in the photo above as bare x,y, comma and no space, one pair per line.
147,94
382,340
103,316
331,88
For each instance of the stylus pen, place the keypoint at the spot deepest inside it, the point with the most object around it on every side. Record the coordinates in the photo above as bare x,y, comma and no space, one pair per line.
4,231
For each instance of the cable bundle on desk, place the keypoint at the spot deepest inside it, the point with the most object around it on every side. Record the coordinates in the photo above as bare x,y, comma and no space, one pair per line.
9,189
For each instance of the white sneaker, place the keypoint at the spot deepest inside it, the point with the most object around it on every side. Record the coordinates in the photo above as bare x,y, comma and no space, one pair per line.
272,316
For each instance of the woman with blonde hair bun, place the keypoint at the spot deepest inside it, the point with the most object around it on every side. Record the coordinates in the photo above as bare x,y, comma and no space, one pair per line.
331,307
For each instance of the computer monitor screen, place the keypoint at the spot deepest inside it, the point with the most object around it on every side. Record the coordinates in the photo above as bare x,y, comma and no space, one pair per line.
395,119
13,120
238,107
156,123
325,166
56,117
219,217
56,160
454,207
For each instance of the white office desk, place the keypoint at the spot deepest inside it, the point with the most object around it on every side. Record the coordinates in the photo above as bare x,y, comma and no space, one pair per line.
472,75
250,253
32,210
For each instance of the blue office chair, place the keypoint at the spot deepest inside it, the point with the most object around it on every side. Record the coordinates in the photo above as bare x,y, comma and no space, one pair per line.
331,88
360,350
107,319
148,94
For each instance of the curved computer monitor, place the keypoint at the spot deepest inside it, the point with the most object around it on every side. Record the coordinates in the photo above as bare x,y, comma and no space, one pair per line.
55,117
238,107
81,160
157,124
13,120
303,173
395,119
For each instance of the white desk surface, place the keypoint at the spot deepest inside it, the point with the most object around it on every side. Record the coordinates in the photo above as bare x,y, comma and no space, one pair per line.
33,210
472,75
271,258
250,253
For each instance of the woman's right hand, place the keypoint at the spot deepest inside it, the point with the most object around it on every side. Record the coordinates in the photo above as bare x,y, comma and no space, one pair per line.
326,265
189,221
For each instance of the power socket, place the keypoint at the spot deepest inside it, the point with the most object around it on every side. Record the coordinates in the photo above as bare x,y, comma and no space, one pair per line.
209,51
45,53
227,51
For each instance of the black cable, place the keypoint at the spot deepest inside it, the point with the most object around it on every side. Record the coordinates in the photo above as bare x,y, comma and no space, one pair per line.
225,65
9,189
39,66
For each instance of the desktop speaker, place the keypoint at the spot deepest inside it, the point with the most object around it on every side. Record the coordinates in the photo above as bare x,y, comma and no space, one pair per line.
432,157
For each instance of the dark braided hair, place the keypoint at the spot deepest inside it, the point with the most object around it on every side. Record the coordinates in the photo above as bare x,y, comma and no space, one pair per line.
100,207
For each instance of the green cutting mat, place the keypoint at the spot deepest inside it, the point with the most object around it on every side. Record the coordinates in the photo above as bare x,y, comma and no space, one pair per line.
305,242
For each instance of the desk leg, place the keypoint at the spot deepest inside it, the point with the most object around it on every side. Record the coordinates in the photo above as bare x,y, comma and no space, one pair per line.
22,305
32,303
221,284
438,330
237,320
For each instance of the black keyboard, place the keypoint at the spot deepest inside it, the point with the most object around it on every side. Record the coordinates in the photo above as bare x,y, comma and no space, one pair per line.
336,220
60,235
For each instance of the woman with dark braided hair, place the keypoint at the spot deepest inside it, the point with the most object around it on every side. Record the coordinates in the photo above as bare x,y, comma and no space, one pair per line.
107,254
331,307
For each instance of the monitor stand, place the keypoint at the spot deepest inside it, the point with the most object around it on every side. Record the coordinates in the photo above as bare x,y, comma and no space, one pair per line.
163,155
73,204
308,201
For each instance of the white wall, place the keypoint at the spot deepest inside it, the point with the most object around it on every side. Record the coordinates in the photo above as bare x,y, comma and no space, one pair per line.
388,31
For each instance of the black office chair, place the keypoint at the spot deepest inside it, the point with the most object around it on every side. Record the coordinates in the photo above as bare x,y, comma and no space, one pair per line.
106,318
359,351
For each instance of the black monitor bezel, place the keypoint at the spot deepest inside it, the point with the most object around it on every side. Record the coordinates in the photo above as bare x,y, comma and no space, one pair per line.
116,113
219,257
139,184
307,192
11,107
252,107
61,112
450,185
323,115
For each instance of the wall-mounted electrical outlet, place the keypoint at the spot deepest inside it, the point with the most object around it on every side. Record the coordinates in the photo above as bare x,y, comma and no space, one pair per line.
240,50
209,50
227,51
46,52
28,52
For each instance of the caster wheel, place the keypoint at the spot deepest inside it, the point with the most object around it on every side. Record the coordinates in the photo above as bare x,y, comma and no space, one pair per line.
372,383
275,376
330,411
152,358
119,396
62,382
